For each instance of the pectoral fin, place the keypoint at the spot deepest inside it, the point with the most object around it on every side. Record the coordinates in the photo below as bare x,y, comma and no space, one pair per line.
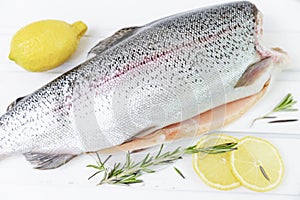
112,40
14,103
47,160
254,71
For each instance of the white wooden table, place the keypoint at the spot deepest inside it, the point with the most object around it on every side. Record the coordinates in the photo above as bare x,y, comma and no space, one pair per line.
19,180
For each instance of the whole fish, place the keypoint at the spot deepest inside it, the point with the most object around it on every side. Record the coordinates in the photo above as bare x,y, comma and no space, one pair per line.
141,80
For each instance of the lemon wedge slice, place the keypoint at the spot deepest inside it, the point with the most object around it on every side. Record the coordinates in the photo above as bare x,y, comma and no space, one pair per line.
215,169
257,164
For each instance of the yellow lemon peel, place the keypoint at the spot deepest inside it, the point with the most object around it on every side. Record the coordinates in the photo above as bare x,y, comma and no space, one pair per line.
45,44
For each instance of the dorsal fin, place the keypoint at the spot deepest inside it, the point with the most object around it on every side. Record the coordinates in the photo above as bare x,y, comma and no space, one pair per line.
14,103
112,40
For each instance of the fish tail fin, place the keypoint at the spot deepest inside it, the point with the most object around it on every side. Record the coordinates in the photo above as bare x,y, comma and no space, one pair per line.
48,161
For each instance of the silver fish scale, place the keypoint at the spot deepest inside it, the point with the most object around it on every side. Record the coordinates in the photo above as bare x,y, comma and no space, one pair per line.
150,94
167,71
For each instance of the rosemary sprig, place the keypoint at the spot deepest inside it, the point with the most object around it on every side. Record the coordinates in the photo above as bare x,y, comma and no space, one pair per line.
221,148
285,105
130,172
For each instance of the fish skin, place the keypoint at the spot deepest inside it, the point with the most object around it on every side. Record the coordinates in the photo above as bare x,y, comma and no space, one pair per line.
162,73
190,128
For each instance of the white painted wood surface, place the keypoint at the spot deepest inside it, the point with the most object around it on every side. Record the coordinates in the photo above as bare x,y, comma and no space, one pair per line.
19,180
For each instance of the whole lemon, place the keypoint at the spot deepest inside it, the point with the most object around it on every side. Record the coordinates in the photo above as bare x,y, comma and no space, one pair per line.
45,44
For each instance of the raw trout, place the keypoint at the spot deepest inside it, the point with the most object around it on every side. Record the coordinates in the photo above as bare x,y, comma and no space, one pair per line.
141,80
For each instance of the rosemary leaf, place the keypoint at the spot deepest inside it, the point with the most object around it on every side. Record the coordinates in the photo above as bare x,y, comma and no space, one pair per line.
283,120
94,174
264,173
179,172
269,117
94,166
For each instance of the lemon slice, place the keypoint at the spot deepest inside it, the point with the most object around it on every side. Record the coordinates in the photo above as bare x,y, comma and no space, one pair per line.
257,164
215,169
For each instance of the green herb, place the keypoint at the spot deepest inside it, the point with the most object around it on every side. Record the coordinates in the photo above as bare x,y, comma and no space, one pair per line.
285,105
221,148
264,173
130,172
179,172
283,120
